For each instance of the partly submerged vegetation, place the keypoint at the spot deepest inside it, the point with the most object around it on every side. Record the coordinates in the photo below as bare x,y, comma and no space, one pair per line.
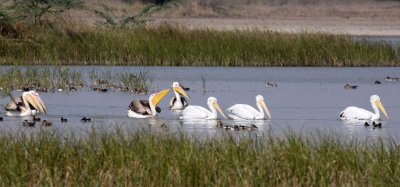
46,79
172,46
156,159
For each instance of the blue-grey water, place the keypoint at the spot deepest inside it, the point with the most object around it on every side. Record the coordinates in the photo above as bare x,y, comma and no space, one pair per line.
306,101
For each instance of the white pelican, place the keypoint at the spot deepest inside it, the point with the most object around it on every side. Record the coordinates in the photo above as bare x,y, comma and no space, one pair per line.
146,109
247,112
198,112
355,113
178,102
29,104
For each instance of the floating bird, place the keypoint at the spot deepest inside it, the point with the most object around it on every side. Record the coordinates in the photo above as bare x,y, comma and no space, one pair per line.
378,82
273,84
178,102
355,113
251,127
366,124
63,120
247,112
1,119
377,125
36,119
84,119
388,78
348,87
146,109
164,125
46,123
27,105
220,124
198,112
27,123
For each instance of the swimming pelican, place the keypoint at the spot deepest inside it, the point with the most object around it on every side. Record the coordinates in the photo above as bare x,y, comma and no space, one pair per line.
198,112
178,102
146,109
27,105
355,113
243,111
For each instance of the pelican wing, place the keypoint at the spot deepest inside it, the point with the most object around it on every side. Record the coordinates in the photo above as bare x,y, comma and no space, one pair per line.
356,113
142,107
195,112
243,111
184,101
14,104
139,107
173,100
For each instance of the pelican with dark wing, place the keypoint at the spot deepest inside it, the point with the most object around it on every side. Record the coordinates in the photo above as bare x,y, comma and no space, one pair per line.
146,109
29,104
178,102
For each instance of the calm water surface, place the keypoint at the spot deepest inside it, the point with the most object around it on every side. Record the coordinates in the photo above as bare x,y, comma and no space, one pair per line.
307,101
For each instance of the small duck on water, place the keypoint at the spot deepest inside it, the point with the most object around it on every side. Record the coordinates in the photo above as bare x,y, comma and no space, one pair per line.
84,119
388,78
64,120
349,87
36,119
272,84
251,127
46,123
27,123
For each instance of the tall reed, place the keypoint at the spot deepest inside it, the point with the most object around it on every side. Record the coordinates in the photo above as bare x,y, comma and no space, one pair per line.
175,46
143,158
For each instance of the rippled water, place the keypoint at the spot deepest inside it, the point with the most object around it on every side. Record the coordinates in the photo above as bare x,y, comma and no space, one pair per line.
307,101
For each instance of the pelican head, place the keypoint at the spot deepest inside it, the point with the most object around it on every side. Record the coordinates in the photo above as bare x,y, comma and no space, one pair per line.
155,98
260,102
376,101
32,97
212,101
177,88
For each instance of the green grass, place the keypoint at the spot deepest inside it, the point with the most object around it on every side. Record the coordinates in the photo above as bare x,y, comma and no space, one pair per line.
143,158
172,46
48,79
43,79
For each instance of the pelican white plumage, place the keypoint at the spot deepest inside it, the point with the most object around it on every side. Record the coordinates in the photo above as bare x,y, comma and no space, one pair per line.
146,109
247,112
198,112
355,113
28,104
178,102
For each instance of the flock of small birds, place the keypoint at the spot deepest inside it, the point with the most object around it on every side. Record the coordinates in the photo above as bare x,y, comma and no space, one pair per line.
375,125
347,86
32,123
236,127
388,78
225,126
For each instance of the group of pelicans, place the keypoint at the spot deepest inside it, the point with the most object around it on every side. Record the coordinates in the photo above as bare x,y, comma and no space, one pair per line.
30,104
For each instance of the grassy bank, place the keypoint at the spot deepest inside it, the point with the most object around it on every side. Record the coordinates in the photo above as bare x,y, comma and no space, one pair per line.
146,159
170,46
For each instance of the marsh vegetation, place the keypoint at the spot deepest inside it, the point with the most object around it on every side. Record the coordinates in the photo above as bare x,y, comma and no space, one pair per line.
172,46
50,79
144,158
